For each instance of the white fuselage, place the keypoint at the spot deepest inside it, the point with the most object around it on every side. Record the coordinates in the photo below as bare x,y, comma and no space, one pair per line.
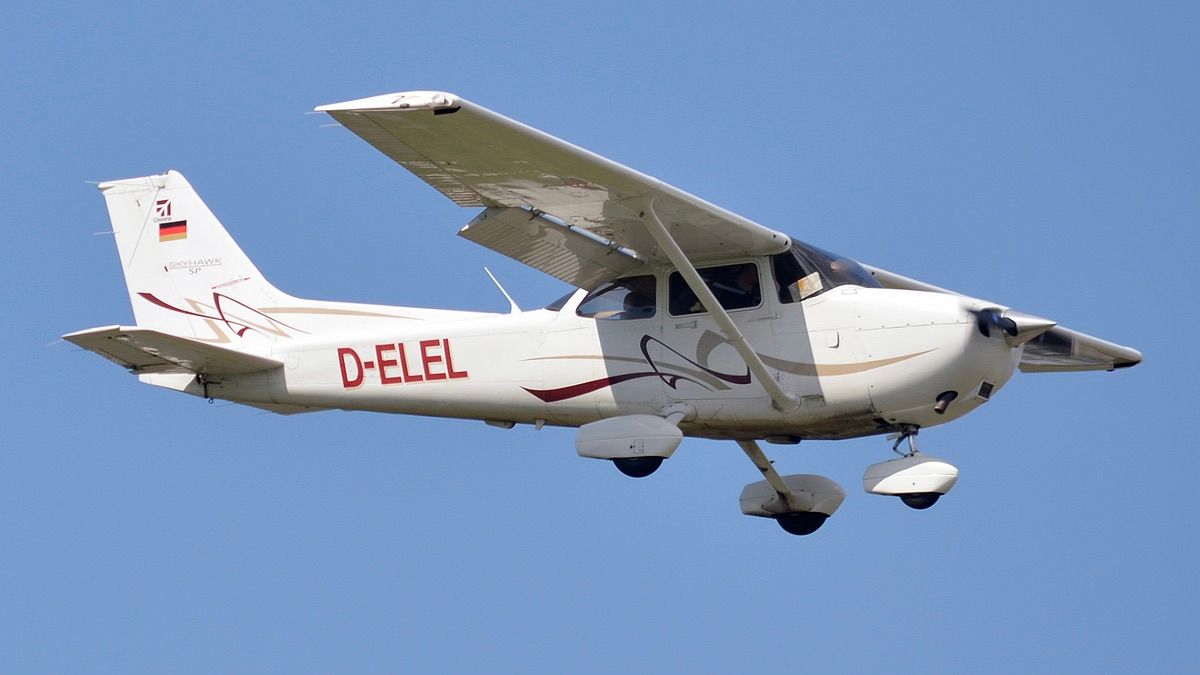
860,361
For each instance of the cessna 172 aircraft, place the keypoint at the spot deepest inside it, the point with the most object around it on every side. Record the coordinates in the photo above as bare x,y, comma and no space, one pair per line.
688,320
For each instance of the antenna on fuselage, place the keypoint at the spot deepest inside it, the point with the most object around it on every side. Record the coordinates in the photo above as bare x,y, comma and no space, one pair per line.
511,303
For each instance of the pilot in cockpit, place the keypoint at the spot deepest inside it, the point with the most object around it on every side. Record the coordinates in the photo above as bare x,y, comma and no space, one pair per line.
740,291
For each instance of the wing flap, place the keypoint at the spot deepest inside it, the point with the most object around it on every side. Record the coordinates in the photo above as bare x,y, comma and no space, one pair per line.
141,350
479,158
557,249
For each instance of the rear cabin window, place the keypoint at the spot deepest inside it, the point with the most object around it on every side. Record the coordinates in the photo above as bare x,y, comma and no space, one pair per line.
623,299
735,286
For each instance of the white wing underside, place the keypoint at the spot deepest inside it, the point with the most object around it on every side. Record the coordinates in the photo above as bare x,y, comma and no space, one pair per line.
479,158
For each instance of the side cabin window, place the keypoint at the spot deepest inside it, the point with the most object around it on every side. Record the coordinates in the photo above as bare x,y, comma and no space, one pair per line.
735,286
622,299
804,271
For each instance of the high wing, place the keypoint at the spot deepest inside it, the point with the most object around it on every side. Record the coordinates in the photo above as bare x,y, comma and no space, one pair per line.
1058,349
521,175
578,216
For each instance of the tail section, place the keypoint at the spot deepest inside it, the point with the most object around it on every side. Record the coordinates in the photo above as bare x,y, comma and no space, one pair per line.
204,312
186,276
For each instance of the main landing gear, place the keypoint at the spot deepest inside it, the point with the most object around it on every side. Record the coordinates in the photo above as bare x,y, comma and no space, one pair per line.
918,480
636,444
799,503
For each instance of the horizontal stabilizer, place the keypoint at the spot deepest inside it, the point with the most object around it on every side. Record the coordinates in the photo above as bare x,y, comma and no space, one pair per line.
142,350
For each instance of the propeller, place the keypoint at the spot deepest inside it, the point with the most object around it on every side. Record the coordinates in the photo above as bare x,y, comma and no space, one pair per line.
1017,328
993,317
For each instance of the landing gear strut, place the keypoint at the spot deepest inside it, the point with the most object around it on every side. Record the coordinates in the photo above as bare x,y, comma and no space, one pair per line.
907,432
800,503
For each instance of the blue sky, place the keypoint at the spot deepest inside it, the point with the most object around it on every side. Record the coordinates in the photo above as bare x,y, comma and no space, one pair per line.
1042,156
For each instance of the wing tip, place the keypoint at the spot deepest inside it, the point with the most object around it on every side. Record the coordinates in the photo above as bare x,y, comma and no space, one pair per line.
404,100
1128,361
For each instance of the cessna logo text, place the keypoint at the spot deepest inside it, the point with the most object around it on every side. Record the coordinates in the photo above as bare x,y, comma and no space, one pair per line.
400,363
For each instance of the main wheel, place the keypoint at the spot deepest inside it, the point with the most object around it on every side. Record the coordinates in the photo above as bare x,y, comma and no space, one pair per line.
638,467
802,523
920,500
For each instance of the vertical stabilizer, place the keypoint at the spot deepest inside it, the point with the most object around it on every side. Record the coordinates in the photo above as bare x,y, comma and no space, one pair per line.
186,276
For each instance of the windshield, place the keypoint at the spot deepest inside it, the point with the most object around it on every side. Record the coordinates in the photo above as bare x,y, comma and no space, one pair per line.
805,271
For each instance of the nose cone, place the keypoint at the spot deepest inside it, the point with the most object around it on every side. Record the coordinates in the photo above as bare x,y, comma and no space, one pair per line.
1027,327
1016,327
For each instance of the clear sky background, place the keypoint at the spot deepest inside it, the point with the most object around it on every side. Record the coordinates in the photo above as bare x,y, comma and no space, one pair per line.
1044,155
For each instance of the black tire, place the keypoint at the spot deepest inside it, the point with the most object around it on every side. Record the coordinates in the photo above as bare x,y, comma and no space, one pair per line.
802,523
638,467
920,500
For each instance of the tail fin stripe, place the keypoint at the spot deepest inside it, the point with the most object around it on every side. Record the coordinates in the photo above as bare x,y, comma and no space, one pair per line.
238,327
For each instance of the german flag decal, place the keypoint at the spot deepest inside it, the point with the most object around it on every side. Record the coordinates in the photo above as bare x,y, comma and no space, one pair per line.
172,231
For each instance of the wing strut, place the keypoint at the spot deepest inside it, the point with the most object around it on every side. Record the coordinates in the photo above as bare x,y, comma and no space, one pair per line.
764,465
781,400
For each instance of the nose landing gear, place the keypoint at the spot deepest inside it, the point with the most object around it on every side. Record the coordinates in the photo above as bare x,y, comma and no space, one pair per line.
918,480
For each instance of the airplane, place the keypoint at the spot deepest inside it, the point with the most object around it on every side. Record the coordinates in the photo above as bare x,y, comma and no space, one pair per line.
686,319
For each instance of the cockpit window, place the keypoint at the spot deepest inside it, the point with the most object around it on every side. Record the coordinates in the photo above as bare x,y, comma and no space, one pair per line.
735,286
805,271
628,298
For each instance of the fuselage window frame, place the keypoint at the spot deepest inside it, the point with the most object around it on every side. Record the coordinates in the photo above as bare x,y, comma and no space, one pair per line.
737,286
626,299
